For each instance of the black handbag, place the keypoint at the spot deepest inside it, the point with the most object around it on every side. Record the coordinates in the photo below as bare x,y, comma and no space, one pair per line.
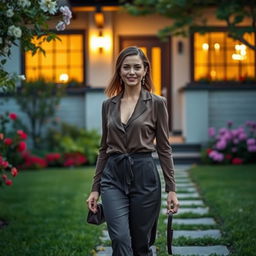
98,217
169,233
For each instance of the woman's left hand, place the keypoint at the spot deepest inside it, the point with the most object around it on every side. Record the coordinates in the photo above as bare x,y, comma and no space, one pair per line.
172,202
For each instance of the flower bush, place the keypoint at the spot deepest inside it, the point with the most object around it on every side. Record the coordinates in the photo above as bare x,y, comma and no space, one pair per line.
231,146
11,147
23,20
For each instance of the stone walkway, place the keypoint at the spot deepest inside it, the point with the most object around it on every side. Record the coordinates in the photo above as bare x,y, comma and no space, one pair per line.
190,202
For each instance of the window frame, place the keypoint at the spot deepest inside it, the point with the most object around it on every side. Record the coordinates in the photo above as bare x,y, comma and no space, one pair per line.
84,51
192,49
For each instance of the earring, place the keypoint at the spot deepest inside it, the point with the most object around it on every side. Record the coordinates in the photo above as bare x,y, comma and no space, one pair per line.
143,80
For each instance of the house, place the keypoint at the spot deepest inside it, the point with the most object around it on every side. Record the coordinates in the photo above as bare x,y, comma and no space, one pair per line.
182,68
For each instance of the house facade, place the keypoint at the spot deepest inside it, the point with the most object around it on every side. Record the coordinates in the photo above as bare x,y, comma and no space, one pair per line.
207,79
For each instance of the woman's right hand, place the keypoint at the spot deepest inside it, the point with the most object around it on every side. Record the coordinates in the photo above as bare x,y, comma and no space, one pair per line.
92,201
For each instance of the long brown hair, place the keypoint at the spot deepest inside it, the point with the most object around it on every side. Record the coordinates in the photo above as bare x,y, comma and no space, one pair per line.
115,86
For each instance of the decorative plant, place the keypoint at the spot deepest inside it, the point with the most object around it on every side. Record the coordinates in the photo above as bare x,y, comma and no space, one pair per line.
23,20
235,146
11,147
39,100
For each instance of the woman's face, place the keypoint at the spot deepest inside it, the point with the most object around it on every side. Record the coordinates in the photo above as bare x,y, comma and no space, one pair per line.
132,71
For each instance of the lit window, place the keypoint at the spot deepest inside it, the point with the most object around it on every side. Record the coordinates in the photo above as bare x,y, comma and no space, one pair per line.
219,57
63,62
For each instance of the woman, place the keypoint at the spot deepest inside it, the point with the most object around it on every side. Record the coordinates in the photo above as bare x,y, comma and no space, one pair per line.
126,175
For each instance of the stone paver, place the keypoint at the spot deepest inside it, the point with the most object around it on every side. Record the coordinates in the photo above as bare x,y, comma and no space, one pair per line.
200,250
191,202
185,189
183,195
213,233
193,221
182,185
198,210
107,251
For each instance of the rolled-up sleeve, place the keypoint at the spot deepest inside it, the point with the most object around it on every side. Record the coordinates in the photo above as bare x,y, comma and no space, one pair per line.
102,156
163,146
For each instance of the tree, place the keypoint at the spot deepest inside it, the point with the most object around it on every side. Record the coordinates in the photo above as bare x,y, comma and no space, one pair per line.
22,20
190,14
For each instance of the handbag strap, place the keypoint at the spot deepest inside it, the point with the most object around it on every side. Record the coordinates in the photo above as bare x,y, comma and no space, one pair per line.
170,220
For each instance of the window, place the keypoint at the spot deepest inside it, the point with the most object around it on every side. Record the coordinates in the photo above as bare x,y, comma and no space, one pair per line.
64,60
219,57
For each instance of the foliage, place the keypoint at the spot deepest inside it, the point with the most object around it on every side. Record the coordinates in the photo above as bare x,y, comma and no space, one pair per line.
190,14
231,146
39,101
11,147
71,139
23,20
230,193
48,198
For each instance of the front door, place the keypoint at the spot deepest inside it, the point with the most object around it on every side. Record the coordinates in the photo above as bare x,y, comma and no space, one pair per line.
158,53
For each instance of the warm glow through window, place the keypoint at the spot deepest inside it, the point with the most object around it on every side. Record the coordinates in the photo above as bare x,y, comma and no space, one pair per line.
219,57
64,60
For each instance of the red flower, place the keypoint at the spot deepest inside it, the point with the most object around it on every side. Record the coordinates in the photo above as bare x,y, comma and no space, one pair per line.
228,156
13,116
7,141
8,182
51,157
4,176
1,136
22,146
208,150
237,161
5,164
22,134
14,171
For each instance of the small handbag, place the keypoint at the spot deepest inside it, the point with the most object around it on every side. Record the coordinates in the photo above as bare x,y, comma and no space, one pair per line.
98,217
169,233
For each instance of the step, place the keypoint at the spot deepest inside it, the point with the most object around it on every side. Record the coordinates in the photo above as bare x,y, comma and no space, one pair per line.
220,250
107,251
212,233
185,189
198,210
183,195
193,221
187,203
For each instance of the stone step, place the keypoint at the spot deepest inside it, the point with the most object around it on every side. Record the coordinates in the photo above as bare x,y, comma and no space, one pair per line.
198,210
189,189
183,195
212,233
185,185
193,221
191,202
220,250
107,251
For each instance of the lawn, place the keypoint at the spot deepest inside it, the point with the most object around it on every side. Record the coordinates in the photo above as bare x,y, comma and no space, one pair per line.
46,214
230,191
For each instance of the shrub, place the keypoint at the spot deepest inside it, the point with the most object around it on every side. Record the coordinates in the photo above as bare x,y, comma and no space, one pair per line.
231,146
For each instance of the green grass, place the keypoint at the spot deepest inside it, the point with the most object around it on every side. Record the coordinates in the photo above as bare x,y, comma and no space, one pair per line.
230,192
46,214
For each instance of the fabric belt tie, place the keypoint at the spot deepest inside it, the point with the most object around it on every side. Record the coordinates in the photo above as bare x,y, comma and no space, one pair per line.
122,165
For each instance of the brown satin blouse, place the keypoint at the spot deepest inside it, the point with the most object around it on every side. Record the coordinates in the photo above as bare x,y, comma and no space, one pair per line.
148,121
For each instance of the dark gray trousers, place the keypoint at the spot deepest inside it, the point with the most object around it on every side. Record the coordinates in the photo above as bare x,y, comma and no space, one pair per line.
131,198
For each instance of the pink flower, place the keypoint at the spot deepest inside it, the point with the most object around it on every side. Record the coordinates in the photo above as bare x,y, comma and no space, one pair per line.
22,146
7,141
221,145
14,171
251,148
251,141
22,134
13,116
211,131
4,177
67,14
216,156
60,26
